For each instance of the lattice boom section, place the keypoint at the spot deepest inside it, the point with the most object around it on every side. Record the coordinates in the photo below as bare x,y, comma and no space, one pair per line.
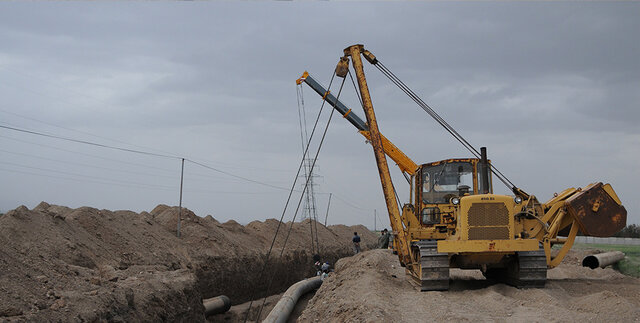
488,221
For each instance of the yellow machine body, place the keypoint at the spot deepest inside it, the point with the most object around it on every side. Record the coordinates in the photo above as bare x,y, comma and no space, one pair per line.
453,219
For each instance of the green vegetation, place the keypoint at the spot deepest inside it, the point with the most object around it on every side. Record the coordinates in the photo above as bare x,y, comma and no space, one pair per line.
629,266
630,231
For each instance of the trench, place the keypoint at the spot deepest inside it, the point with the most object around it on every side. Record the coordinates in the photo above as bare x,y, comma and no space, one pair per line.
239,279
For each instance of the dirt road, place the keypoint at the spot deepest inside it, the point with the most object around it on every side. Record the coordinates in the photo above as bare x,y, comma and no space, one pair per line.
372,287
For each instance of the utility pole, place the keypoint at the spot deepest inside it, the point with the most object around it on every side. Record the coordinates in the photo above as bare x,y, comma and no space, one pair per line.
328,205
181,181
375,228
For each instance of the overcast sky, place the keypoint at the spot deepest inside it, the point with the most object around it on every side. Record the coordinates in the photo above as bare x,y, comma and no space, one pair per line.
551,89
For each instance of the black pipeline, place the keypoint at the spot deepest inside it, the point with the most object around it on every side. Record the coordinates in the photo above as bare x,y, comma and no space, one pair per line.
216,305
280,313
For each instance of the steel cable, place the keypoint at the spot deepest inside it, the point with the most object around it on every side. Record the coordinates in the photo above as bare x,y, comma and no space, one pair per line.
394,79
315,158
302,120
442,122
295,180
362,106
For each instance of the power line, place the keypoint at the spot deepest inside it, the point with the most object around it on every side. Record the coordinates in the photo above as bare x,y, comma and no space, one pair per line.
81,175
113,169
77,180
139,152
228,192
243,168
167,155
87,165
117,183
349,203
123,142
126,143
74,130
236,176
88,142
198,175
149,154
89,155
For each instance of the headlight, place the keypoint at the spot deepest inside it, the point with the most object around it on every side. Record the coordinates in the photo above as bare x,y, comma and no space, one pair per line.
455,200
517,199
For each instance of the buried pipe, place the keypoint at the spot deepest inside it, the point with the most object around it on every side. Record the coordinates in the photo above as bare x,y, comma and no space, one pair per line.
216,305
602,259
280,313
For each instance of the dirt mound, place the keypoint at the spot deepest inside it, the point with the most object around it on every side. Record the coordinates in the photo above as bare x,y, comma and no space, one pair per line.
372,287
61,264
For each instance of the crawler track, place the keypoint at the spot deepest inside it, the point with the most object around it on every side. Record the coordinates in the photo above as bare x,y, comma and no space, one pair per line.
528,269
431,271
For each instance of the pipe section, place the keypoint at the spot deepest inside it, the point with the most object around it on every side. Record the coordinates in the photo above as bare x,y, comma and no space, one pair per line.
602,259
216,305
280,313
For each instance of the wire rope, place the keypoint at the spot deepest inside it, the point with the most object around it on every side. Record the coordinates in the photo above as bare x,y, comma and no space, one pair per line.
300,200
310,194
394,79
293,185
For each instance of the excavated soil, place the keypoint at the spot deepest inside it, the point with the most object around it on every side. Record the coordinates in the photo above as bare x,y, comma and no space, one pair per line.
85,264
372,287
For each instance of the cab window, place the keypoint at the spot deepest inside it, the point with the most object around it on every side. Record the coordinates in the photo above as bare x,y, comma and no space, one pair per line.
442,182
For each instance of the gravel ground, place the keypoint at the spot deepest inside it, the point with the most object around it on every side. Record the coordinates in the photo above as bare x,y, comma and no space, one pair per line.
372,287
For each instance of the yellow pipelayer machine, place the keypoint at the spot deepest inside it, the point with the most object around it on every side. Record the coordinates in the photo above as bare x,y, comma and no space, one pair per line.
453,219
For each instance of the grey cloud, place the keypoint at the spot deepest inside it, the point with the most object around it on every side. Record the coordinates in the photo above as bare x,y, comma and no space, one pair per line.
550,88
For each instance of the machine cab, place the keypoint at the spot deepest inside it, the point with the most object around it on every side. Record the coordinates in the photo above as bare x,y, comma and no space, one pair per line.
438,182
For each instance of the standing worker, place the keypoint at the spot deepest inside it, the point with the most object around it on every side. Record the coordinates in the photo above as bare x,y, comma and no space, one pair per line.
383,240
356,242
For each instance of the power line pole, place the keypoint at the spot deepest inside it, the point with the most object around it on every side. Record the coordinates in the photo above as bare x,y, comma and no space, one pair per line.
327,215
374,220
181,181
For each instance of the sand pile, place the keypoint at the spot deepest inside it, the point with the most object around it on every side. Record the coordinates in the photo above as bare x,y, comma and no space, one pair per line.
62,264
372,287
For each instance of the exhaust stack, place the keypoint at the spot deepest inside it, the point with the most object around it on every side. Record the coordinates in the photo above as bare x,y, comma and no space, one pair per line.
484,171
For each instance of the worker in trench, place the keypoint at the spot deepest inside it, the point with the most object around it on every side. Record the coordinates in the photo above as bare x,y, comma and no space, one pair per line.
322,268
383,240
356,242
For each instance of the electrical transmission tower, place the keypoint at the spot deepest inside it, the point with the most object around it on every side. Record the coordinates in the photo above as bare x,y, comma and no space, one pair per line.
309,206
309,210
